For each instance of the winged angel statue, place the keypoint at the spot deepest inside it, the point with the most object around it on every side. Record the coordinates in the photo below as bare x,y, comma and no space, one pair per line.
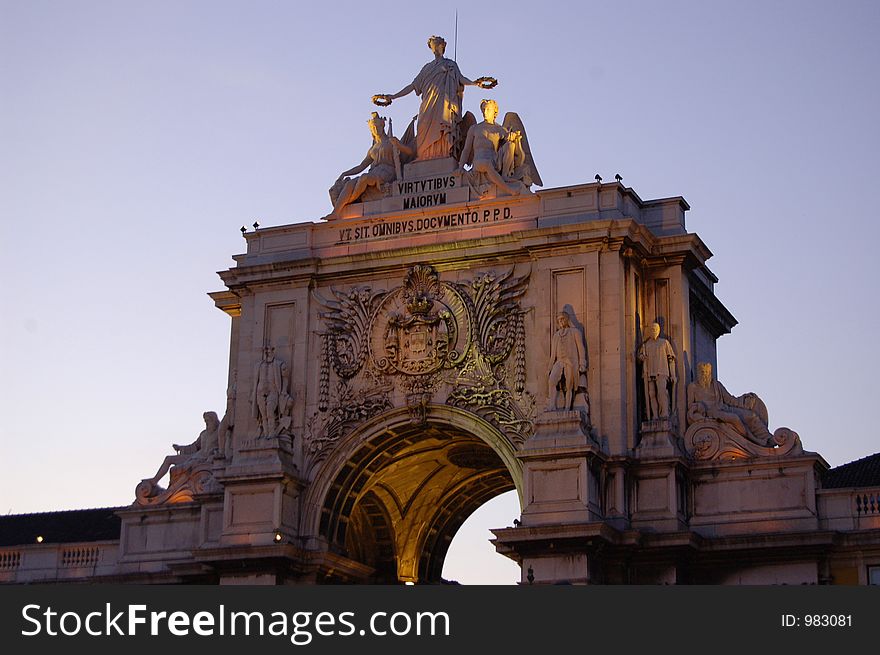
499,153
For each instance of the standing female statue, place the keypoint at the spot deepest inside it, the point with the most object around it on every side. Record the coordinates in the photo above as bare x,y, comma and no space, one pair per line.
441,87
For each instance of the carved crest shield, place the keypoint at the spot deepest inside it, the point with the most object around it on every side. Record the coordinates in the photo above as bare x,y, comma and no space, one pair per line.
421,327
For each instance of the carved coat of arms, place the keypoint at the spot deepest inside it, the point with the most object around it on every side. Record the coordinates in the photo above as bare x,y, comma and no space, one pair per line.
418,338
417,329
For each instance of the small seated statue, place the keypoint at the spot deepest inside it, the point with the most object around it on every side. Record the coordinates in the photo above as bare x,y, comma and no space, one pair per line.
185,466
383,160
739,424
500,153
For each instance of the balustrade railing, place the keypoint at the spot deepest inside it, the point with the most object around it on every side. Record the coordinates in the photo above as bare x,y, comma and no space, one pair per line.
79,556
867,503
10,560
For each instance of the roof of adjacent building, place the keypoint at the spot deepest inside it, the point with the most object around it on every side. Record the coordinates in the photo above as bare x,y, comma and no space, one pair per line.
99,524
863,472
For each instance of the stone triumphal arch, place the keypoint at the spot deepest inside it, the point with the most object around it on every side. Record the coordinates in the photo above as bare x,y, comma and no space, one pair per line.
394,495
449,332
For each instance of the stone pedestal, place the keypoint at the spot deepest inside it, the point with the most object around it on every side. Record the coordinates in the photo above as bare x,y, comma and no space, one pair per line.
756,495
659,440
428,167
659,492
560,471
262,489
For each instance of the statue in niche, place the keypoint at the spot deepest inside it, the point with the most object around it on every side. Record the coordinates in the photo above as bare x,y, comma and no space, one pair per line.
272,404
723,426
384,161
658,373
440,85
500,152
568,362
190,467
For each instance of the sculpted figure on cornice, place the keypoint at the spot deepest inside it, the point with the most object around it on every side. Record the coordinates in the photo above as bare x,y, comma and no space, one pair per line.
724,426
500,154
190,468
440,84
383,159
418,338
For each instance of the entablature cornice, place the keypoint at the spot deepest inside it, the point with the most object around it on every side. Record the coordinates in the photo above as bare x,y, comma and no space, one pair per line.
706,305
589,451
562,536
687,251
228,301
611,235
807,459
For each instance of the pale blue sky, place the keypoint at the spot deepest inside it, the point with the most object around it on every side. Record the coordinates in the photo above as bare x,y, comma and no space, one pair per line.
137,137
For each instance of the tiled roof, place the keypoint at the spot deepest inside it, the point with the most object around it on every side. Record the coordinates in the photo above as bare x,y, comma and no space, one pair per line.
100,524
863,472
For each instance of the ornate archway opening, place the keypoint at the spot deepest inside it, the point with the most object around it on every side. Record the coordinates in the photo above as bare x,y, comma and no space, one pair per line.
401,496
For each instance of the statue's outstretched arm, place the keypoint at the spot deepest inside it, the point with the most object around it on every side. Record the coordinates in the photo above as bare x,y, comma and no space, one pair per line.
409,88
190,448
384,99
359,168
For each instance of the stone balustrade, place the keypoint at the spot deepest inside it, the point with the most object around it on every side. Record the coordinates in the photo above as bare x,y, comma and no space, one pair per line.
849,508
58,562
867,503
9,560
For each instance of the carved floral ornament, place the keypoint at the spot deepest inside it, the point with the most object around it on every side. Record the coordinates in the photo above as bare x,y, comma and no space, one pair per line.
420,337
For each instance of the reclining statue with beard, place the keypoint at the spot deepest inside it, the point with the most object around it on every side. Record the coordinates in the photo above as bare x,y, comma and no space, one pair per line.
724,426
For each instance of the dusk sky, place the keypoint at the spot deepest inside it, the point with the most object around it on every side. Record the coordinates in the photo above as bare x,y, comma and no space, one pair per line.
136,138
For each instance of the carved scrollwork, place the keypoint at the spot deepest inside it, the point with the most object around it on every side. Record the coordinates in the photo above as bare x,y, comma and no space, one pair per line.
715,440
482,385
483,390
348,318
495,306
352,407
185,482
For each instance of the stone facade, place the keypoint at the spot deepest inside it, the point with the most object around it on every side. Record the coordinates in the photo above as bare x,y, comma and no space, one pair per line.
412,352
446,334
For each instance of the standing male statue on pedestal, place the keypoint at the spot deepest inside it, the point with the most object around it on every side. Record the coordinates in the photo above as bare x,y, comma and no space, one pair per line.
270,398
567,362
658,371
